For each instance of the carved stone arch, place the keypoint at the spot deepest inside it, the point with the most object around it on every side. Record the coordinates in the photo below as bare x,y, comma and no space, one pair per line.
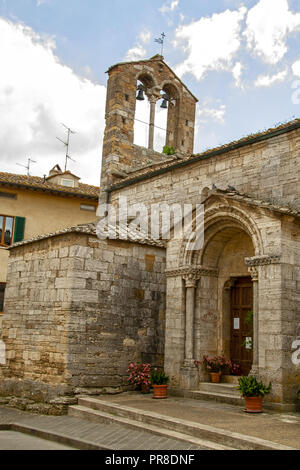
147,79
216,220
171,89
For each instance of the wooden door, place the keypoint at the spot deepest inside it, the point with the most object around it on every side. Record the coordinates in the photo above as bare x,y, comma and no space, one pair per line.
241,345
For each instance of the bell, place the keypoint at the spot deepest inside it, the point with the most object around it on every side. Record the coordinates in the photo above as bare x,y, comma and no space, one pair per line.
164,104
140,96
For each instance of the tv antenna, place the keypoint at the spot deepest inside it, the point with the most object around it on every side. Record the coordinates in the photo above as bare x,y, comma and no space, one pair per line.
29,161
161,41
67,144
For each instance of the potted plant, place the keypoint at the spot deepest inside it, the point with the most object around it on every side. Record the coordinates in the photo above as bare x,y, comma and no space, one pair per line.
235,369
139,375
159,381
253,393
214,366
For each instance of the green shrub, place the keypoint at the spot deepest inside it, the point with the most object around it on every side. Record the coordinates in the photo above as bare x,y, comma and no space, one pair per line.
168,150
250,387
158,377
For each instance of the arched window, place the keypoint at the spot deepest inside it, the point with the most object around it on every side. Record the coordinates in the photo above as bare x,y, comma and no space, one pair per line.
145,83
142,117
161,122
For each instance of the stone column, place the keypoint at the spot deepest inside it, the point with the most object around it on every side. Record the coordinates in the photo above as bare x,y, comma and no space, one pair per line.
190,283
255,366
189,372
152,100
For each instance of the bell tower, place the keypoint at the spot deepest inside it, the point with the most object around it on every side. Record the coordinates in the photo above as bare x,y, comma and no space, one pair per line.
158,82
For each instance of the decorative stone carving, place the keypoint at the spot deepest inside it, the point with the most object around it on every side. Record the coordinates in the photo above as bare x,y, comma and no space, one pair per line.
263,260
191,279
188,270
254,273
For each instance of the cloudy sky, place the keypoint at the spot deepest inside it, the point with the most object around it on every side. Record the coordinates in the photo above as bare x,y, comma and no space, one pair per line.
240,58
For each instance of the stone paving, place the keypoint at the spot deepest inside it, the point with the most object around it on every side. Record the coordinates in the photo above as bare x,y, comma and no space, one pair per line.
98,436
12,440
282,428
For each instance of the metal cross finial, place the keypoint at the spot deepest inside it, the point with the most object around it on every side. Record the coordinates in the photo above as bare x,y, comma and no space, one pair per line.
161,41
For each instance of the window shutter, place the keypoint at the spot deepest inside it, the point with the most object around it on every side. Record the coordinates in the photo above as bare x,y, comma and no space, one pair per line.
19,229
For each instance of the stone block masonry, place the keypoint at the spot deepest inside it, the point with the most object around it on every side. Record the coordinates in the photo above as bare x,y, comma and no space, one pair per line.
77,310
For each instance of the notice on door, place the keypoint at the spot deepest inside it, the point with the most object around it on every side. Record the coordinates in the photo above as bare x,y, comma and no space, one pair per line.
236,323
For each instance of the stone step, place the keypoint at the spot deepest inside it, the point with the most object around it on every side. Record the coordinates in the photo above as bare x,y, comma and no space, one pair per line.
230,399
230,379
223,388
103,411
99,416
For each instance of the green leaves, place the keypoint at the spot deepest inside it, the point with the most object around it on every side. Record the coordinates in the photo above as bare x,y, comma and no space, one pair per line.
168,150
250,387
158,377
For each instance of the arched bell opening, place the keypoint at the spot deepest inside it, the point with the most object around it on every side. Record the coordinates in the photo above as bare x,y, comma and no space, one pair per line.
142,113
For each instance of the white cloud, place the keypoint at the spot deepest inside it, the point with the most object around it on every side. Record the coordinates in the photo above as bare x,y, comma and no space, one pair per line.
137,52
145,37
38,93
168,7
237,74
296,68
267,26
211,43
40,2
268,80
205,113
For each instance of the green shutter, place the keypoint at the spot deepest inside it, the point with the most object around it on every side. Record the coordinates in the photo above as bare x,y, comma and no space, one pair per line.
19,229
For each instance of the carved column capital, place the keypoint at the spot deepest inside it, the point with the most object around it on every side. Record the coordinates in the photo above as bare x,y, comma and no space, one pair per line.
191,279
254,273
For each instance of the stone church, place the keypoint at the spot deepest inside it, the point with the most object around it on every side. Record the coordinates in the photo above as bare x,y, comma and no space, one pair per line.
79,308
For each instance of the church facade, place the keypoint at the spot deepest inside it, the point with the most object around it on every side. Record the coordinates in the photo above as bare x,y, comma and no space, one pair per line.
78,308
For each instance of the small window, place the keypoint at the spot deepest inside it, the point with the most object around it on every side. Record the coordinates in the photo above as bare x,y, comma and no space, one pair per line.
6,230
68,183
88,207
2,290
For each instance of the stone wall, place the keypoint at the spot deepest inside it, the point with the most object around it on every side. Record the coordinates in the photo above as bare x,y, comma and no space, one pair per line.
77,310
269,169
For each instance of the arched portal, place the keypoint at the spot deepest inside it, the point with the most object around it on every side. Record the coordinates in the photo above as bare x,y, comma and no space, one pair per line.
224,294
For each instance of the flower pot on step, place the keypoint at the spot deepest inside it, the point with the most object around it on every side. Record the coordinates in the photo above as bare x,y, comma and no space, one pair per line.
159,391
215,377
253,404
145,388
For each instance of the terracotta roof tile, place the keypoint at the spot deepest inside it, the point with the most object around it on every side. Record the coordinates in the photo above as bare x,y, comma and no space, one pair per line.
121,233
36,183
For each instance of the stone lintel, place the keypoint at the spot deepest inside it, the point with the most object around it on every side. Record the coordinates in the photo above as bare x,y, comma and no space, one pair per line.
195,272
263,260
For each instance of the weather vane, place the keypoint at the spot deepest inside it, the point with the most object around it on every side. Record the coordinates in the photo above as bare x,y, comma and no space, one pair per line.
161,42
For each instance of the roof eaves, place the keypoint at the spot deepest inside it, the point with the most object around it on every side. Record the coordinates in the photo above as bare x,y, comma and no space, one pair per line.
206,155
49,190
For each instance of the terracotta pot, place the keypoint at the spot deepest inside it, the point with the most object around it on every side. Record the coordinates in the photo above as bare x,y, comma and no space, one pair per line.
215,377
253,404
145,388
160,391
